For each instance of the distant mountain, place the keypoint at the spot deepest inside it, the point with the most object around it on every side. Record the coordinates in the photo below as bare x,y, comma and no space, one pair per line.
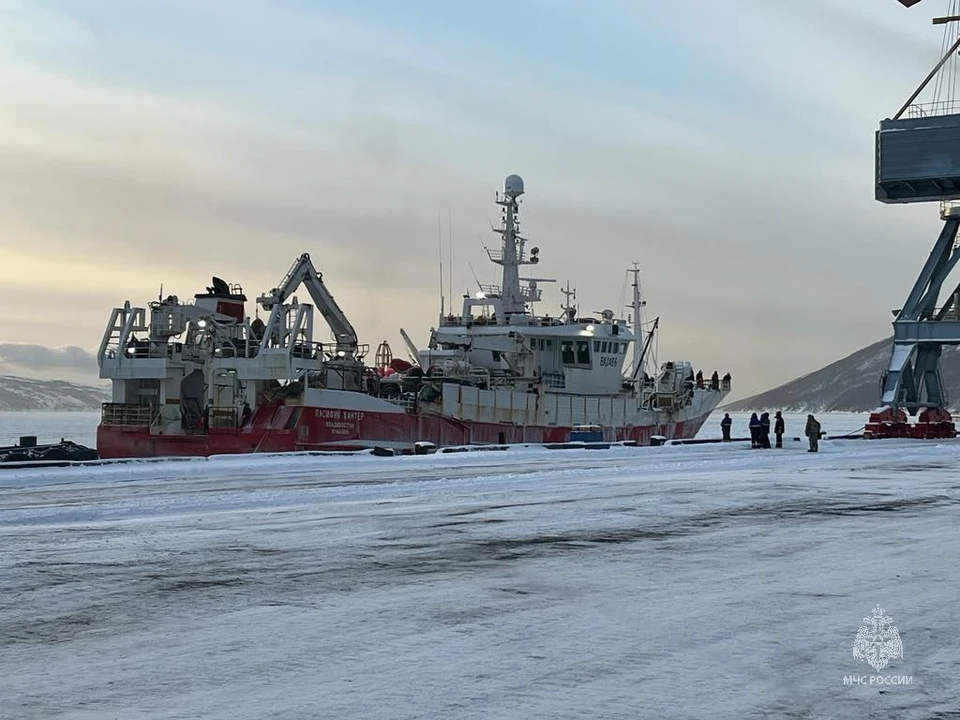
848,385
17,393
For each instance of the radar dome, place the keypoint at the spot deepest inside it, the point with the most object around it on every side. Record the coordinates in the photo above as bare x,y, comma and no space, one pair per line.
513,185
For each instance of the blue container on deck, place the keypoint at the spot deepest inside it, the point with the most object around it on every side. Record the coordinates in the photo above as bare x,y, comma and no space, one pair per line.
586,433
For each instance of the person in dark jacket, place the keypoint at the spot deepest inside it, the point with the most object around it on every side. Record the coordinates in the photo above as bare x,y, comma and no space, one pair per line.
812,431
765,430
725,425
715,381
778,428
754,431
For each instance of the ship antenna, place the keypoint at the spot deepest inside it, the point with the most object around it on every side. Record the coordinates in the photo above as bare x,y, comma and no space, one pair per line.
160,296
440,255
474,273
449,256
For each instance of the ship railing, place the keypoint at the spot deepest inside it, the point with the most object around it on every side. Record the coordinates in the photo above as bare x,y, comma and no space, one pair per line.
478,375
127,414
326,351
408,401
222,417
665,400
141,349
530,294
553,381
138,349
934,109
237,348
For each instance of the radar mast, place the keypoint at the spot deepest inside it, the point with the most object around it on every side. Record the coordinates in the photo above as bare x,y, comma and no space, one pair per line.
512,255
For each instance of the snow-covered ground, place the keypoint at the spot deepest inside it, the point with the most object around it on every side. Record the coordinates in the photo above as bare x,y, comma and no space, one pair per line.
675,582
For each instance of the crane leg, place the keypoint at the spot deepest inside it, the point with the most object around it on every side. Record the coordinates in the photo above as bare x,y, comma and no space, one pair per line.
912,382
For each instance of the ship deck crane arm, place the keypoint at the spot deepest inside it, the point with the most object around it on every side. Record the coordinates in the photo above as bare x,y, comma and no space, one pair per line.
304,273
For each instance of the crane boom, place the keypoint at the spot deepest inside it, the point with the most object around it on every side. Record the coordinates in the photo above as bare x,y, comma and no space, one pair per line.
302,272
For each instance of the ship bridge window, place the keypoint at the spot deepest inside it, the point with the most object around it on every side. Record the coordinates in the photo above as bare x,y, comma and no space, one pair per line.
566,352
583,352
596,346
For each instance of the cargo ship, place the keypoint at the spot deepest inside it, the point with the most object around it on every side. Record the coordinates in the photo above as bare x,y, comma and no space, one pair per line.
205,378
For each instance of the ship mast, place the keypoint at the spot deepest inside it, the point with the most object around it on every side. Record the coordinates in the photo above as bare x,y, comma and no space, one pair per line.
511,256
637,306
569,309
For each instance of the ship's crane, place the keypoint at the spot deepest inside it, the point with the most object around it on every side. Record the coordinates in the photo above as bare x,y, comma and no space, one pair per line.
304,273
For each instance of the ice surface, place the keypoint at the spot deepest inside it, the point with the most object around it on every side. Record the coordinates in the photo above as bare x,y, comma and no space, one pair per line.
49,427
674,582
81,427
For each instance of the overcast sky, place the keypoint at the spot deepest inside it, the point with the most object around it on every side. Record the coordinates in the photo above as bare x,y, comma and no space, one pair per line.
725,146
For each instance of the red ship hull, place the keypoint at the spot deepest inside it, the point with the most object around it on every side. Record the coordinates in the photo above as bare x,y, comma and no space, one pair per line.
298,428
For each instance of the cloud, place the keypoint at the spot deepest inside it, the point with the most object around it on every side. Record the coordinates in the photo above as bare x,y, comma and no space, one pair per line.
47,360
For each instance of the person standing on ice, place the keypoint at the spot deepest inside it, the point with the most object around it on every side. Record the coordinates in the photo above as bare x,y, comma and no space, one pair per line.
765,430
725,425
812,432
754,431
778,428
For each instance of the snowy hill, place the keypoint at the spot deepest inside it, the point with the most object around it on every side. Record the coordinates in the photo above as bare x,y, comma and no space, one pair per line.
18,393
849,385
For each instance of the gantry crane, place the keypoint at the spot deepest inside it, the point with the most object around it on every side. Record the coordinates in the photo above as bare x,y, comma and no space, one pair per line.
918,160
